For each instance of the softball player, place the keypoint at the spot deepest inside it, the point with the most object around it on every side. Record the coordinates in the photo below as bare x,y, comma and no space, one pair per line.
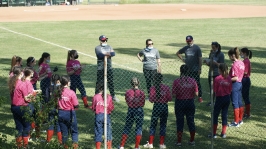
135,99
246,54
236,73
19,94
184,90
67,104
74,70
160,94
98,108
31,62
45,75
222,88
218,57
16,61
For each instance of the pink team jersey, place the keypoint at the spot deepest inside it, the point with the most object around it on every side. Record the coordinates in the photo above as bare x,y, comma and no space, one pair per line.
98,104
29,87
165,94
45,68
135,98
247,67
237,70
184,88
71,64
222,86
35,77
68,100
19,93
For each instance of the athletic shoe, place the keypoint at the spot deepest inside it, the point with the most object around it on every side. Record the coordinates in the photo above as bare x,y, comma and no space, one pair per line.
120,147
214,136
200,99
137,148
115,99
241,122
246,116
223,135
148,145
209,104
178,144
233,124
162,146
191,143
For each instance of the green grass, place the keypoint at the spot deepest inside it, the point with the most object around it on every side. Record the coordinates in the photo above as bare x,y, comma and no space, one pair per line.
128,38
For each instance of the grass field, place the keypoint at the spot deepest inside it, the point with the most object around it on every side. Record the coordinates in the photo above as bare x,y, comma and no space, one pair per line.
128,38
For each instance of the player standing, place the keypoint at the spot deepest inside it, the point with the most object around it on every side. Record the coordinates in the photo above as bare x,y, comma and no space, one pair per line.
31,62
16,61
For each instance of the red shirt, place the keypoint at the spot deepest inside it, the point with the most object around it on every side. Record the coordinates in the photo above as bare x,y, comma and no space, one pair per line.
71,64
29,86
237,70
98,104
135,98
35,77
222,86
20,92
45,68
184,88
165,94
247,67
68,100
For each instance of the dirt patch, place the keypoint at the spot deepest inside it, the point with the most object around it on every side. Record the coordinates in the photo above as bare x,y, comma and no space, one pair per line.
128,12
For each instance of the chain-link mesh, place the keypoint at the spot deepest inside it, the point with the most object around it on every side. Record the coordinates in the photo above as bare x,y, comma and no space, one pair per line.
187,112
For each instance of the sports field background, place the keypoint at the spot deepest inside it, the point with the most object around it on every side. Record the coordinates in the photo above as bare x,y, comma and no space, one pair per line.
127,37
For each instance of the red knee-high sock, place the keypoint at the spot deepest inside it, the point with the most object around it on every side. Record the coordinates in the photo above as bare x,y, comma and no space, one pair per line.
224,129
248,109
192,136
138,138
241,113
98,145
236,115
19,142
25,141
123,140
215,128
151,139
85,101
162,140
59,137
32,125
179,137
50,134
109,144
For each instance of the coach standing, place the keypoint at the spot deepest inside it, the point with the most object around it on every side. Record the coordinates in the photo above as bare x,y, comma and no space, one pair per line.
193,60
151,62
101,51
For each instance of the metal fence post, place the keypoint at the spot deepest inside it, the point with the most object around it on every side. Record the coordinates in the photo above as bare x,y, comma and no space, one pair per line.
212,97
105,102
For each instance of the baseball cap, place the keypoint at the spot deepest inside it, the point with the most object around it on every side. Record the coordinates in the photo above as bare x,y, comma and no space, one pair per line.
189,38
102,37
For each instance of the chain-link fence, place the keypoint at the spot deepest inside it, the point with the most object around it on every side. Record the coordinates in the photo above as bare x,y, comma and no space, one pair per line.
183,110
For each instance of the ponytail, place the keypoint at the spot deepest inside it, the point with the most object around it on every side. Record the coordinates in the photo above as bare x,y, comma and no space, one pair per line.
158,78
12,81
234,51
134,83
70,54
100,88
224,69
64,81
44,55
248,52
15,59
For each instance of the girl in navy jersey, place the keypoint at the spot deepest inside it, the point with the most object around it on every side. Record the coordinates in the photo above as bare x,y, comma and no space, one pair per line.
74,70
222,89
236,73
160,94
135,99
184,90
246,54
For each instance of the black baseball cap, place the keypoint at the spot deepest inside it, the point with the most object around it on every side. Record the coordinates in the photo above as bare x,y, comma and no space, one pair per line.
102,38
189,38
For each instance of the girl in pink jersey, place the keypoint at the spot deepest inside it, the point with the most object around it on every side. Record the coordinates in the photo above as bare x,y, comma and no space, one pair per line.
246,54
19,98
135,99
236,73
160,94
16,61
31,62
45,75
74,70
222,89
67,104
98,108
184,90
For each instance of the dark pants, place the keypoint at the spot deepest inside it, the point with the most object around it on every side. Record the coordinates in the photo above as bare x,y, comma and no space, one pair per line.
222,103
236,95
185,108
99,127
54,124
34,86
68,124
134,114
209,80
77,83
22,125
196,76
45,87
110,83
245,90
160,110
149,75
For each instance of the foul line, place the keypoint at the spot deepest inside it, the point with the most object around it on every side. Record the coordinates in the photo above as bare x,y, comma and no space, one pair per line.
63,47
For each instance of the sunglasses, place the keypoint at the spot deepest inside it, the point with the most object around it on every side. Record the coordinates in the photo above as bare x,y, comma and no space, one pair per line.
150,44
103,40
